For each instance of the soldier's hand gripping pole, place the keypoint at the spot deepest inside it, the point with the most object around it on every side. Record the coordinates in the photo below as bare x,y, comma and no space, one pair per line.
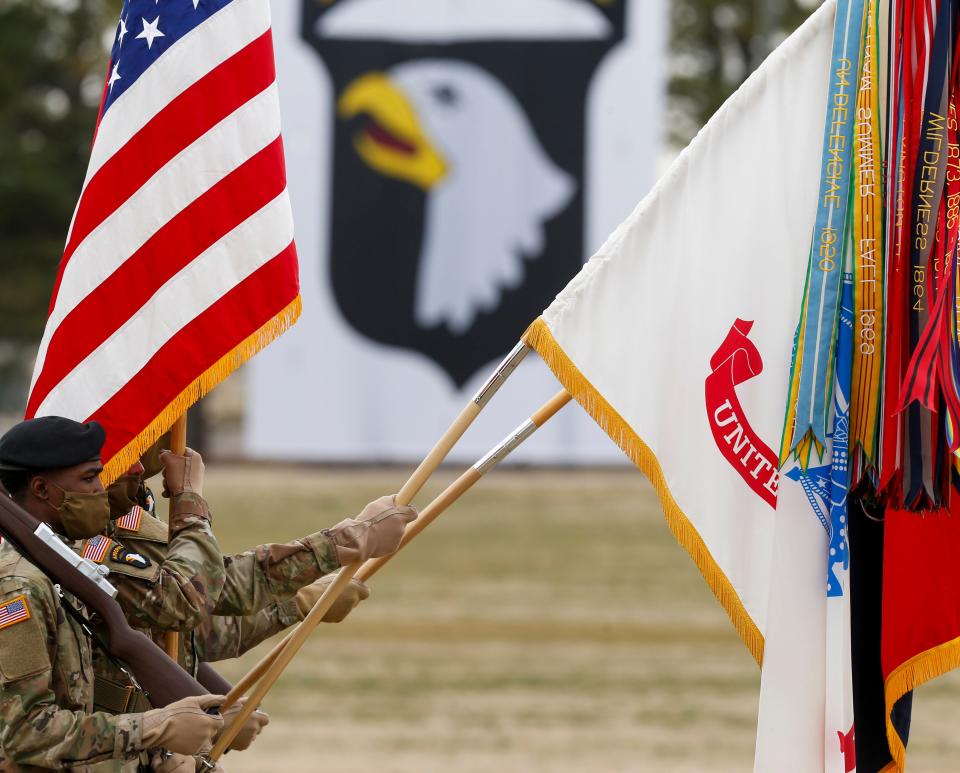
273,664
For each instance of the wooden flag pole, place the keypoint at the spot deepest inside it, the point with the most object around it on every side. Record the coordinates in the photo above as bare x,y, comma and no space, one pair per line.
273,664
466,481
178,445
415,482
453,434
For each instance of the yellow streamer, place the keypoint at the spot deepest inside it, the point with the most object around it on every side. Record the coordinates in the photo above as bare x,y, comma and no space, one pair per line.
868,222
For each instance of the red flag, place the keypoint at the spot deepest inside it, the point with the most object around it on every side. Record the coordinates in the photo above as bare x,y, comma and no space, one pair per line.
921,603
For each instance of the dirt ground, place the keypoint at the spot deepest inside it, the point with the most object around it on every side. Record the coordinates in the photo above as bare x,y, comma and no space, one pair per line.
547,623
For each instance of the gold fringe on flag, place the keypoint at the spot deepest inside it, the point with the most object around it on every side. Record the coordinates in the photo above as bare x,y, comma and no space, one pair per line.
909,675
120,462
539,337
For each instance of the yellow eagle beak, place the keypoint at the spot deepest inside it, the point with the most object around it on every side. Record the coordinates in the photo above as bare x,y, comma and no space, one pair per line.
391,140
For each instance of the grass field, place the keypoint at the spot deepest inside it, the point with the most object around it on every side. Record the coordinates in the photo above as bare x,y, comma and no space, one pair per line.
547,622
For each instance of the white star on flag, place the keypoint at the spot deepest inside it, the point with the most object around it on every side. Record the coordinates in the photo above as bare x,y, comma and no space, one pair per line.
150,31
123,29
114,76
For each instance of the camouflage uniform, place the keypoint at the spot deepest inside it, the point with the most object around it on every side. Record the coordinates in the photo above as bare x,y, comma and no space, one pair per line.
46,683
221,638
242,584
256,598
175,591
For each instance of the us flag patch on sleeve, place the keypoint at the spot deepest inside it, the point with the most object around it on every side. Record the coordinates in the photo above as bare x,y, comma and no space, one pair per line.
131,521
15,611
95,549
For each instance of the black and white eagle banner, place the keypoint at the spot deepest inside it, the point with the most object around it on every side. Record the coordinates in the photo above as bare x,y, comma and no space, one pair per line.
451,163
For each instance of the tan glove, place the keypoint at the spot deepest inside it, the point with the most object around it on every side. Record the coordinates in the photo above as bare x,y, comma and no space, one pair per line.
172,763
375,532
183,727
251,727
182,474
352,595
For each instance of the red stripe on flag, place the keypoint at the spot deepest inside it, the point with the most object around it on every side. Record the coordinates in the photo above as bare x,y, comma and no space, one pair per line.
197,347
188,117
231,201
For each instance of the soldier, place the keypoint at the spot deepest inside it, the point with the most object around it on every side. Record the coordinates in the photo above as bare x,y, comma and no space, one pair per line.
170,589
178,591
263,591
50,466
264,577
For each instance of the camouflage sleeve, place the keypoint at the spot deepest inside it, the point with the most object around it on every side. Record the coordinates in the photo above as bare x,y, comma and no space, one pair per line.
222,638
190,578
270,573
36,656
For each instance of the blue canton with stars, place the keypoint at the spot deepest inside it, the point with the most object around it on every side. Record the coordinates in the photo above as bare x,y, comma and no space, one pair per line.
147,28
826,486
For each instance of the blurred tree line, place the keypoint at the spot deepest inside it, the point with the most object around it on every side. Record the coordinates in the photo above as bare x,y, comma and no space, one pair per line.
52,60
51,78
714,45
52,64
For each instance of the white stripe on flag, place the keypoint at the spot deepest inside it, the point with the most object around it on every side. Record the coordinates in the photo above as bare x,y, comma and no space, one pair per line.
199,285
220,151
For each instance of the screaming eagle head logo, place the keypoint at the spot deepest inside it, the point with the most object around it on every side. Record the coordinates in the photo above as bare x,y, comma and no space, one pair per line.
456,132
457,203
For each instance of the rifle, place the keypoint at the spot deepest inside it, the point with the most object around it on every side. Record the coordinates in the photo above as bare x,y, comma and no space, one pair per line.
162,678
212,680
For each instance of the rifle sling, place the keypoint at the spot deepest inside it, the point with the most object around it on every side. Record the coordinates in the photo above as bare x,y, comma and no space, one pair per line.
84,624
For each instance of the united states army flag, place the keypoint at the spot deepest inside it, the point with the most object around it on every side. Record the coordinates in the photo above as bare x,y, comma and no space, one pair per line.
677,338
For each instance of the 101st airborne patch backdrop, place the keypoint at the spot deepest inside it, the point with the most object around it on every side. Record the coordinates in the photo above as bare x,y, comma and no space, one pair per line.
451,164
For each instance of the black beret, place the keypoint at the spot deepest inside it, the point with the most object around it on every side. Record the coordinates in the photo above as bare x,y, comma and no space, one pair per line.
49,443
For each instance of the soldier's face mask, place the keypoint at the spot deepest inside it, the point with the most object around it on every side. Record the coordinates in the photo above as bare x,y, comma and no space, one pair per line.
123,494
82,515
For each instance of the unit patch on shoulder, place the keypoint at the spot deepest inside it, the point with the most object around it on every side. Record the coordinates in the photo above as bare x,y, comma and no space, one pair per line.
131,521
95,549
121,555
14,611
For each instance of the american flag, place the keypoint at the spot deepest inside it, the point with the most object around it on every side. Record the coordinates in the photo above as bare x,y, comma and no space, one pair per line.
14,611
95,548
180,261
131,521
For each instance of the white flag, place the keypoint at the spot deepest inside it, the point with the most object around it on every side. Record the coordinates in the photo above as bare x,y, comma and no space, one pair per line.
677,338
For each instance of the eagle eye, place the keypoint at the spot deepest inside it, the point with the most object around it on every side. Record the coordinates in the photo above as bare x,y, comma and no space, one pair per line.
446,95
